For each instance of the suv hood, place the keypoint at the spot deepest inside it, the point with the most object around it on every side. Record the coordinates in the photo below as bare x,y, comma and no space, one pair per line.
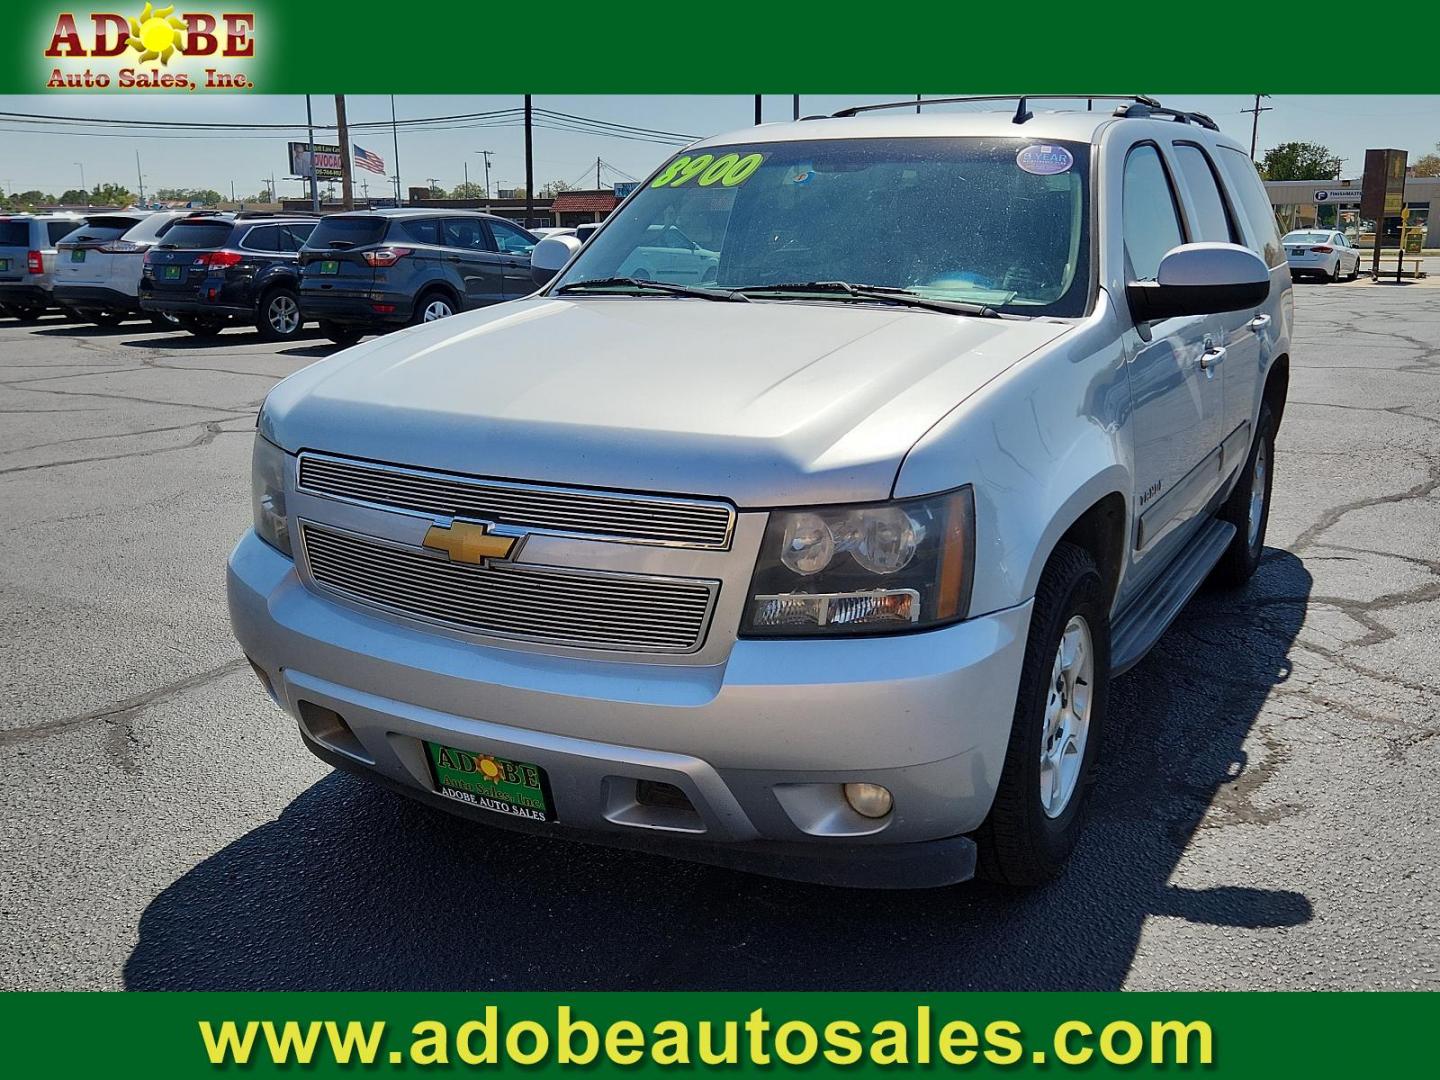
764,404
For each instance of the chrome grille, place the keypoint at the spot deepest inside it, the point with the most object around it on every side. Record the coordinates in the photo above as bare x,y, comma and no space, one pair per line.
631,518
579,608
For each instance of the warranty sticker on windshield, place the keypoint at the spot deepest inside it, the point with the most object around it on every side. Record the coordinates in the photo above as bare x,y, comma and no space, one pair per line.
1041,160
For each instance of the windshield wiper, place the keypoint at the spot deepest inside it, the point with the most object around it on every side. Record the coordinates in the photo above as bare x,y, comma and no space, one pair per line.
876,292
617,284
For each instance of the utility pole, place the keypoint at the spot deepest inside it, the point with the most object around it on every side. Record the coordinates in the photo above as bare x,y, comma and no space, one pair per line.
431,181
395,134
140,177
529,170
757,109
465,162
795,106
82,178
486,155
232,191
1255,123
347,181
597,174
310,134
917,104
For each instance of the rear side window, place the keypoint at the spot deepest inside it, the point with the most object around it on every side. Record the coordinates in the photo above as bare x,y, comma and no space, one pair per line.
421,230
262,238
293,237
1212,217
467,234
15,234
58,230
347,232
1151,221
512,239
1263,230
197,234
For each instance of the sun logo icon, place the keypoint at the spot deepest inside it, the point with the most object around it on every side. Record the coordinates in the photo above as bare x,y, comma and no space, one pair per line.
156,34
488,768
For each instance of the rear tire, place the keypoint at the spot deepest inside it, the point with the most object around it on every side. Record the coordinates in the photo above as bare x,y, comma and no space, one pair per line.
341,334
433,305
1039,805
103,318
27,314
1250,515
202,326
278,316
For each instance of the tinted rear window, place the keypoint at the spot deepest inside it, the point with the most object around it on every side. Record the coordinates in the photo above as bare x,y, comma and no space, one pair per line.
61,229
93,233
347,232
197,234
14,234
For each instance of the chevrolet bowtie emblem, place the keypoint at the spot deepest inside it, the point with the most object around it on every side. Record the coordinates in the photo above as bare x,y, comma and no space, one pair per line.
468,542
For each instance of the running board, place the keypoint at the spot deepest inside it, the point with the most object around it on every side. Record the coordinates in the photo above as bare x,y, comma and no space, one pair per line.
1145,620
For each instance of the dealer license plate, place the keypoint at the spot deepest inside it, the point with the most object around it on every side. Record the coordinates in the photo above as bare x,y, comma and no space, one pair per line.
4,264
514,788
330,266
77,254
172,273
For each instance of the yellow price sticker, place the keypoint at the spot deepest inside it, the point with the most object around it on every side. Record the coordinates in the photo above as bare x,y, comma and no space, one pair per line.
727,170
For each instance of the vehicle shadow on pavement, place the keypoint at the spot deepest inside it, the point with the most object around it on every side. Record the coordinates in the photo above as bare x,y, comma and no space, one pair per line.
353,887
181,340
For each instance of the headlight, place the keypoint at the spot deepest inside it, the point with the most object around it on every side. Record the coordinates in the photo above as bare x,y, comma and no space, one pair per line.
268,466
881,567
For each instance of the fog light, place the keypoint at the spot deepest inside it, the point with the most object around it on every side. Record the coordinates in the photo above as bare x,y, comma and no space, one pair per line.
869,800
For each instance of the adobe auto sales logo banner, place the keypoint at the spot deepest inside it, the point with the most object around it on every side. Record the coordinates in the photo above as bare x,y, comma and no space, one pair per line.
150,49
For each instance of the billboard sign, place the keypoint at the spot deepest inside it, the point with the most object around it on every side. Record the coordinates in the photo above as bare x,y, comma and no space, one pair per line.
318,159
624,188
1337,195
1383,189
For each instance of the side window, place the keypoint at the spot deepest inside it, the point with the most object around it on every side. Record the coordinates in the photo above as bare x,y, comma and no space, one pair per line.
467,234
511,239
1198,175
293,237
422,231
1262,229
261,238
58,230
1151,223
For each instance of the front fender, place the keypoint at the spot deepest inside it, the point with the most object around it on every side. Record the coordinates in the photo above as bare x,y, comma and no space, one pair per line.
1041,444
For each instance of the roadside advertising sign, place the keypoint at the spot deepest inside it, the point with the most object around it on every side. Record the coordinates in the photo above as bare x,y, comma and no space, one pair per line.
321,160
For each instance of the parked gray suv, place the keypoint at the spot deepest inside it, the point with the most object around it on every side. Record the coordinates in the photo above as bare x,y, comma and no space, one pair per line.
815,551
27,261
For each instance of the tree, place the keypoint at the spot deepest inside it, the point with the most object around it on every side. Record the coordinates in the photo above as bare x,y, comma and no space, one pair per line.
1427,164
111,195
1299,161
554,187
203,196
74,197
468,191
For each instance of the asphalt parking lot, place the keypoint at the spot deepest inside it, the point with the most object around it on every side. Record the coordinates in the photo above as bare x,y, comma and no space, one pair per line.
1267,817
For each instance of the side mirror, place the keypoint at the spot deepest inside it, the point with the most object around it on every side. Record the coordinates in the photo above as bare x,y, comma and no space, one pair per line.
550,255
1201,279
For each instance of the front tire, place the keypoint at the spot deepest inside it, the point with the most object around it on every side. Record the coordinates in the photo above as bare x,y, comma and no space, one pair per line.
1039,804
27,314
1248,507
106,319
278,317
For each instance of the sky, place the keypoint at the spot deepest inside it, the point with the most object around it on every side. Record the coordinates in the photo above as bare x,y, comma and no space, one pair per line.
48,160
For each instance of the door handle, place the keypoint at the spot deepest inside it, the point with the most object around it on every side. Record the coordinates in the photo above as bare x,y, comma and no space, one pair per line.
1259,322
1212,357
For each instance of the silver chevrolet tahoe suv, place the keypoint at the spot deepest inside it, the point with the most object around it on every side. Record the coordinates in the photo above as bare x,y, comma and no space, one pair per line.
801,520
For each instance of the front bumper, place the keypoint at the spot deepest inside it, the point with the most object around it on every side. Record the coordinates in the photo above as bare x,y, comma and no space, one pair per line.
96,298
759,744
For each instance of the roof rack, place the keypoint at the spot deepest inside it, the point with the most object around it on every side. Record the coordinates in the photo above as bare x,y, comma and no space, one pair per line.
1143,110
1022,112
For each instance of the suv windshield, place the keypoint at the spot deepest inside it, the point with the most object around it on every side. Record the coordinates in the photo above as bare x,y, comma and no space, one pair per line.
347,232
999,222
196,234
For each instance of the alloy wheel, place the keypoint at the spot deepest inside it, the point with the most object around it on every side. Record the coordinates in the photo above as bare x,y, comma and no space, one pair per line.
1256,513
283,315
1067,717
437,309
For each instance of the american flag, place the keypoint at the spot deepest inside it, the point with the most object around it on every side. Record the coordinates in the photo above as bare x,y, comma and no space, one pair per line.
366,160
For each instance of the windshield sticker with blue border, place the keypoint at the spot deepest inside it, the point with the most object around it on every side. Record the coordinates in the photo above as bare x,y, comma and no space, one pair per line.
1041,160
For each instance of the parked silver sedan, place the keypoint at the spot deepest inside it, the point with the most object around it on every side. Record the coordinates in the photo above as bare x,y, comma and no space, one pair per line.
1324,252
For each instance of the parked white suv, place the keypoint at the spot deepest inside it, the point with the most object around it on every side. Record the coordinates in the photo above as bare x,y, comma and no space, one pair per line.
820,565
98,266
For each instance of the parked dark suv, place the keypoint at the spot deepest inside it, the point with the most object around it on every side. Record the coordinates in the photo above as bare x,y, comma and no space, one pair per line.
363,272
211,271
